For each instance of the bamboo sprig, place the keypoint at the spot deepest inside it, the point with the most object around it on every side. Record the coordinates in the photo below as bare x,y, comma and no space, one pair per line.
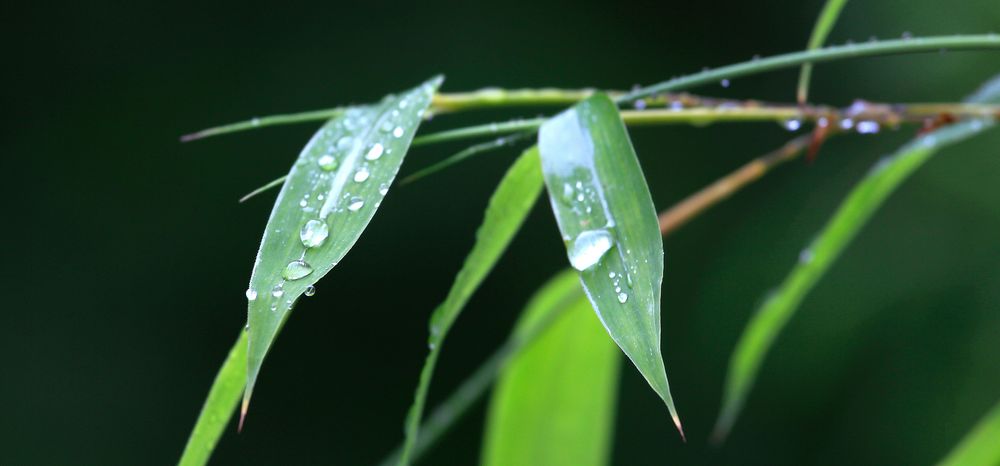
495,98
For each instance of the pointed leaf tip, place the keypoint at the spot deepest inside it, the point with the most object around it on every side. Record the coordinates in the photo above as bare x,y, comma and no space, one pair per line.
609,225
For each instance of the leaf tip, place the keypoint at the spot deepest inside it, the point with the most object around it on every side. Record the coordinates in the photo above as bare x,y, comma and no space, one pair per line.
680,429
243,411
192,136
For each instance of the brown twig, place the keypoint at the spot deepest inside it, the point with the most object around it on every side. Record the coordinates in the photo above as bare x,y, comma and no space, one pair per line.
682,212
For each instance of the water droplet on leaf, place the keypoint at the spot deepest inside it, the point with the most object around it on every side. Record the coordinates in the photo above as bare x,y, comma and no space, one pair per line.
297,269
356,204
588,248
375,152
310,290
327,162
314,233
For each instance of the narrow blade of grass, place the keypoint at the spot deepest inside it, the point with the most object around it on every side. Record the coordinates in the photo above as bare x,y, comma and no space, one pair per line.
507,209
824,24
854,212
840,52
260,122
981,446
605,213
329,197
468,152
555,297
219,406
538,414
270,184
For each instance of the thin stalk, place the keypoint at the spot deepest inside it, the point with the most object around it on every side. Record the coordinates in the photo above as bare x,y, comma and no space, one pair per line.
260,122
824,24
840,52
740,111
494,98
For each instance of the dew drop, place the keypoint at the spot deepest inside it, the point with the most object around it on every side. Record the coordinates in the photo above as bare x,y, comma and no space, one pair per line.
314,233
345,143
806,256
383,189
792,124
622,297
846,123
588,248
724,83
375,152
356,204
251,294
310,290
397,132
361,175
611,275
297,269
327,162
868,127
303,203
386,126
277,291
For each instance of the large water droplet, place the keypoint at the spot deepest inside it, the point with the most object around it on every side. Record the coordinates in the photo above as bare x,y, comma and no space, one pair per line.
327,162
361,175
588,248
313,233
310,290
375,152
868,127
251,294
297,269
356,204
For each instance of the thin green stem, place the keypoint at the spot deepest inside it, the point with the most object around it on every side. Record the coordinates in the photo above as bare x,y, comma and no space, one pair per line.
889,47
496,97
492,98
824,24
272,120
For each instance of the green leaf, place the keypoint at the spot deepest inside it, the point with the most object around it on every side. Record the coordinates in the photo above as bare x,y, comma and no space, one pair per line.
330,195
507,209
854,212
219,406
606,216
824,24
538,414
981,446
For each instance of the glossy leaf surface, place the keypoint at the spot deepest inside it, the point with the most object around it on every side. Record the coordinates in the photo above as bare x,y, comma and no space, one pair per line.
609,225
330,195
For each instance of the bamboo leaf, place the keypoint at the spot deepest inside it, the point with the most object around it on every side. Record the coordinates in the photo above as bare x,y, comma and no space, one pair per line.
824,24
854,212
606,216
507,209
556,295
219,406
981,446
538,413
330,195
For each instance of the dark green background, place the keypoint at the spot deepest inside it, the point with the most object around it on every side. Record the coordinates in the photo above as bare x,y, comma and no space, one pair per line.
127,255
